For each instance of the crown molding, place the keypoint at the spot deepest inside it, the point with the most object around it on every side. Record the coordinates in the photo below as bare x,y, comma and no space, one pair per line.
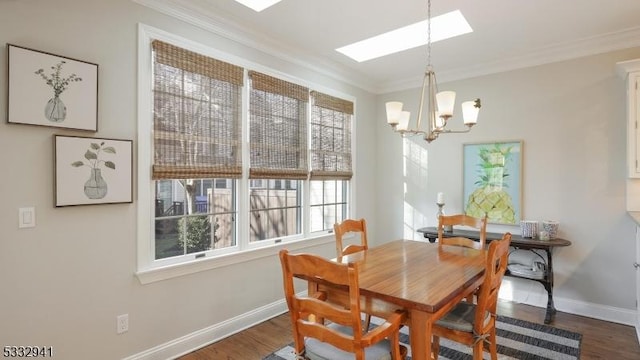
625,67
600,44
207,20
226,28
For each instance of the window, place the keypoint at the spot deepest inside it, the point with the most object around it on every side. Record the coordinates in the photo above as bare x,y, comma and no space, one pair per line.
278,143
238,159
330,159
274,212
187,223
328,203
196,139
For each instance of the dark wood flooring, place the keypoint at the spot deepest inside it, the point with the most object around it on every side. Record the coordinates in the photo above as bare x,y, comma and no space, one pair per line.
601,339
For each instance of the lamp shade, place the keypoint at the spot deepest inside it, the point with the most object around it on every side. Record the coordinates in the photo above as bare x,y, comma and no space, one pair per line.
446,100
393,112
404,120
470,112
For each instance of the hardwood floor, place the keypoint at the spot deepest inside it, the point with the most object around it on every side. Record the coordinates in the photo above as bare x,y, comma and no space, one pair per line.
601,339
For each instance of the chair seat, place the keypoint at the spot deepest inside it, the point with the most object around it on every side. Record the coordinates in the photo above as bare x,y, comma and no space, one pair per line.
462,318
318,350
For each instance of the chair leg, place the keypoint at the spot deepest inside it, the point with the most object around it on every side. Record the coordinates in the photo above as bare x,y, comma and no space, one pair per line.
435,347
493,345
477,350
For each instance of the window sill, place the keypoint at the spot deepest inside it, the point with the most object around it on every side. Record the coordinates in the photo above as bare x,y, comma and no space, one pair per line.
172,271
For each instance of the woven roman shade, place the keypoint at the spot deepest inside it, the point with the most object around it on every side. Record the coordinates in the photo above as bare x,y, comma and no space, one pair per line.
330,137
197,115
277,128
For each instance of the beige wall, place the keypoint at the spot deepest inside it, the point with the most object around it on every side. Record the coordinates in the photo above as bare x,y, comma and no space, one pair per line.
571,117
63,283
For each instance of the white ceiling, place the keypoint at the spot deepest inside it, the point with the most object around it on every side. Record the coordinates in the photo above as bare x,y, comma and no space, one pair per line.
508,34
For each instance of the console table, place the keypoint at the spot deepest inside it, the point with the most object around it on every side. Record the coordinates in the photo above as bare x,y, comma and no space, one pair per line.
518,242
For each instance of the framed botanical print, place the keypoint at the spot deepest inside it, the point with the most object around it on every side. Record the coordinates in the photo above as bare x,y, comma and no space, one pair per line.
51,90
92,170
492,181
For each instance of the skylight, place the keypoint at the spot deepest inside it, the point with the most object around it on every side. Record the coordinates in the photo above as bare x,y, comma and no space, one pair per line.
258,5
443,27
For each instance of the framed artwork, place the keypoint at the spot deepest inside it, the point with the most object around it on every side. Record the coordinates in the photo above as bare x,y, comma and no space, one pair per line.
51,90
92,170
492,181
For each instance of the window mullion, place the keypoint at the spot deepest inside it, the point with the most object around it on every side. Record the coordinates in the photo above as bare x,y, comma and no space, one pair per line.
306,184
244,218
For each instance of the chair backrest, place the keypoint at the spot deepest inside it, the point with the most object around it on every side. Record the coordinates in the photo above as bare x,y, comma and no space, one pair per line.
496,266
479,224
312,267
350,225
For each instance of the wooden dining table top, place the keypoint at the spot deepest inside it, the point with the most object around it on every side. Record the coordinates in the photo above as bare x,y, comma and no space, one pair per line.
417,275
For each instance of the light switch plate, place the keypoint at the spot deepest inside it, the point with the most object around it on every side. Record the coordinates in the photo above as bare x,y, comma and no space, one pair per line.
26,217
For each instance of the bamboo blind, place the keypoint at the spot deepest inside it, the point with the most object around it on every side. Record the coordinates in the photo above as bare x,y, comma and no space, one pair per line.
197,115
330,137
277,128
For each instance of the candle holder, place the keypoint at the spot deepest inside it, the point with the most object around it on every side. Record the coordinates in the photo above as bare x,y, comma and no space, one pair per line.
447,228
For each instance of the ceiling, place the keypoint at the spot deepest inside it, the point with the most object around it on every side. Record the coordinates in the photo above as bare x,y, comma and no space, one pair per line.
508,34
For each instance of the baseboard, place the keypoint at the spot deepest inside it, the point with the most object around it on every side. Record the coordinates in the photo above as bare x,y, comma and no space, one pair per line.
525,293
211,334
532,293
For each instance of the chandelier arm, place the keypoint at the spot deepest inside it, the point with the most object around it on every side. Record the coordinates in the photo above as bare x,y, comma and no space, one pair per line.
449,131
424,83
433,125
407,133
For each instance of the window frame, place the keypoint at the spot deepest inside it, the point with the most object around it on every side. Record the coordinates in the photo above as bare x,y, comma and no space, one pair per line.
344,204
149,269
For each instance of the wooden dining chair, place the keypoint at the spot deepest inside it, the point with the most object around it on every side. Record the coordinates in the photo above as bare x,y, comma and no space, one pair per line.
479,224
352,226
326,330
347,226
472,324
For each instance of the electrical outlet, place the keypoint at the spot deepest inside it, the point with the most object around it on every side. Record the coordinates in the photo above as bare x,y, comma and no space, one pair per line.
122,323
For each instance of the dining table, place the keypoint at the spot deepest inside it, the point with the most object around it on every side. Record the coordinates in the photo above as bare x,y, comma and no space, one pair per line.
425,280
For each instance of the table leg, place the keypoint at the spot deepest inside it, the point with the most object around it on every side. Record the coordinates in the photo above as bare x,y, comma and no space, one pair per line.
420,335
548,285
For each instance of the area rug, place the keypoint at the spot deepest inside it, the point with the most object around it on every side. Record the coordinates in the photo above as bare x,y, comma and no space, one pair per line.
517,339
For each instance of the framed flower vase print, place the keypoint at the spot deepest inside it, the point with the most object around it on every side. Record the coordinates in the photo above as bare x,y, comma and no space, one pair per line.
51,90
492,181
92,170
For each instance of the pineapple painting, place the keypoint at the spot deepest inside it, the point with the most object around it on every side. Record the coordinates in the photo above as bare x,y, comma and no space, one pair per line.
495,189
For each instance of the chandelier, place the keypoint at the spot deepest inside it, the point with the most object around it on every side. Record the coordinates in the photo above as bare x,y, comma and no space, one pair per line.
439,107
